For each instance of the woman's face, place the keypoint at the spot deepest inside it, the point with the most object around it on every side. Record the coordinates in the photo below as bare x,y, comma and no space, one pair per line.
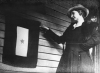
75,15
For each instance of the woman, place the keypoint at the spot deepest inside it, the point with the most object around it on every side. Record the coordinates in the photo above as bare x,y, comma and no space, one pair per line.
79,37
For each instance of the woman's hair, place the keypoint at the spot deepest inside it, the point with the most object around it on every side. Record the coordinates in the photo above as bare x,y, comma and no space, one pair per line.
81,12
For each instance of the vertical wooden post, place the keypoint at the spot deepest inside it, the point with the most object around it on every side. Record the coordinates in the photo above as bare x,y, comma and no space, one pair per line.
97,59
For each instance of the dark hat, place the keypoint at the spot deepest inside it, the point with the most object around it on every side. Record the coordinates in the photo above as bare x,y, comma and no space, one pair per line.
78,7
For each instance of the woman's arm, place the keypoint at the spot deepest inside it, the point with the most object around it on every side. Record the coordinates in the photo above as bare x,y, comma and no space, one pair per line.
49,33
56,38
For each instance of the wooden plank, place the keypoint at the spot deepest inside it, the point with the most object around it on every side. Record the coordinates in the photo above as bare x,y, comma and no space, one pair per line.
57,19
49,50
97,58
64,4
2,34
47,63
22,70
57,14
50,17
2,18
1,50
1,42
49,57
57,8
47,22
52,22
44,20
2,26
0,58
49,43
7,71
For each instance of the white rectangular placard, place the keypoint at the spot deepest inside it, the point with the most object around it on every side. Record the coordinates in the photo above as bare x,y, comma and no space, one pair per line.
22,41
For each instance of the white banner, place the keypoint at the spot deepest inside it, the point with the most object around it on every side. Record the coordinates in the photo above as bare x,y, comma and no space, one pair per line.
22,41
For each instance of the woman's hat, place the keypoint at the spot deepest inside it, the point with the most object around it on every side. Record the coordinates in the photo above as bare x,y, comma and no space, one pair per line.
78,7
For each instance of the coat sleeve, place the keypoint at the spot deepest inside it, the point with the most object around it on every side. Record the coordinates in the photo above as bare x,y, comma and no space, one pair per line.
59,39
53,36
92,41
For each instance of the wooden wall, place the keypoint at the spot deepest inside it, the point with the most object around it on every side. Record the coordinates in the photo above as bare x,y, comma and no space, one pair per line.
49,52
52,15
2,32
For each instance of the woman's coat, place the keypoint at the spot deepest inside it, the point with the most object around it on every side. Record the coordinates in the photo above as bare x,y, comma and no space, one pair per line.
76,58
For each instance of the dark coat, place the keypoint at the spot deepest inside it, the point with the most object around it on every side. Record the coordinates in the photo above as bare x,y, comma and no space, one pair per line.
75,57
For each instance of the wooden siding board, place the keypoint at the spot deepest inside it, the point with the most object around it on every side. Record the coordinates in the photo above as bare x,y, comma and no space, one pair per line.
58,25
49,56
47,22
47,63
37,69
0,58
1,50
2,34
57,14
51,22
2,26
51,19
44,21
7,71
1,42
2,18
58,20
49,50
57,8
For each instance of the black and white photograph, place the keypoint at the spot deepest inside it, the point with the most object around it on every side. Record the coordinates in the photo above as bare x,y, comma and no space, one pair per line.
49,36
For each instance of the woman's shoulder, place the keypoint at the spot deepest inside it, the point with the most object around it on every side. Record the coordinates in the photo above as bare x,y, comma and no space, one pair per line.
88,27
90,24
